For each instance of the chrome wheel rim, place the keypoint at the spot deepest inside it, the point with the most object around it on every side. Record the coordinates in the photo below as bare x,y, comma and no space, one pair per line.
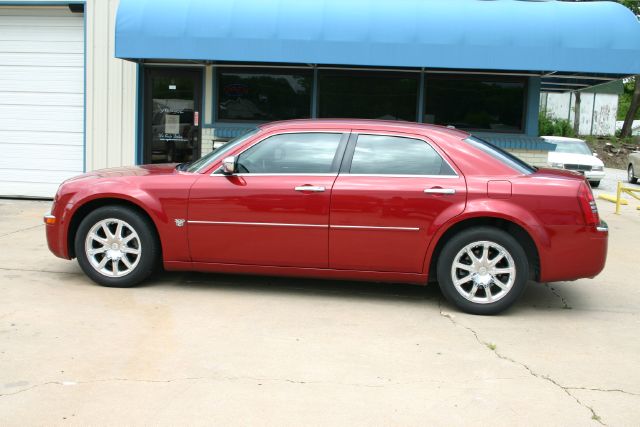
483,272
113,247
630,173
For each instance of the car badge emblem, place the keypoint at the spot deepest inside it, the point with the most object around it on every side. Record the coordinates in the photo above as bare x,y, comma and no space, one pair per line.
180,222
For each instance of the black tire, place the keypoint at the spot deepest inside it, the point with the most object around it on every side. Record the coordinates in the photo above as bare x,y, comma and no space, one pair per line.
631,175
498,237
146,242
594,184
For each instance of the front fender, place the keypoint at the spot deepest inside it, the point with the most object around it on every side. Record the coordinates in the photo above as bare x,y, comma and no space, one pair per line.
162,204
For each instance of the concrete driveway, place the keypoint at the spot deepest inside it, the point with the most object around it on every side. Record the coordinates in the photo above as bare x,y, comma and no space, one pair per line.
609,184
195,349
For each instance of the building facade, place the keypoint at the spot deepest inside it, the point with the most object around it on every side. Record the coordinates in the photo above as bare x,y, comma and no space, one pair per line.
598,107
91,84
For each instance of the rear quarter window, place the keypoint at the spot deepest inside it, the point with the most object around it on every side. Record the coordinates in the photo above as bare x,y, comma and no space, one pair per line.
501,155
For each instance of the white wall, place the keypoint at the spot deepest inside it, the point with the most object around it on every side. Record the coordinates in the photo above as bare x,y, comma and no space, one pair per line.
111,88
111,92
595,119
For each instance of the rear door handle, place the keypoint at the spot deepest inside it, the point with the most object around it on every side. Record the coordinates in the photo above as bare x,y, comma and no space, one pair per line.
440,191
312,188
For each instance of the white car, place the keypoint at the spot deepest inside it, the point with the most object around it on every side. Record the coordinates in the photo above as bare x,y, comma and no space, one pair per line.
575,155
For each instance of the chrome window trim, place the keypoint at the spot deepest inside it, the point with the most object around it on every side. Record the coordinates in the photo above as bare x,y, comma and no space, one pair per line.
272,174
285,132
437,150
400,176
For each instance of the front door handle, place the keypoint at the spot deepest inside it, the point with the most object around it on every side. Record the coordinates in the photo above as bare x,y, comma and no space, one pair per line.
312,188
440,191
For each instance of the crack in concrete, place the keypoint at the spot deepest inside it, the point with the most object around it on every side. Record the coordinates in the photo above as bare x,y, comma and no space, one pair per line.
565,304
604,390
22,229
213,379
493,348
30,270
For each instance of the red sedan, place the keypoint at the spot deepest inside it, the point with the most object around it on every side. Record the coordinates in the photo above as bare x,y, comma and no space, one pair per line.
339,199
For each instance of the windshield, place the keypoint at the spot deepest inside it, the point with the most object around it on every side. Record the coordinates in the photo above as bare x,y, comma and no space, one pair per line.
499,154
573,147
207,159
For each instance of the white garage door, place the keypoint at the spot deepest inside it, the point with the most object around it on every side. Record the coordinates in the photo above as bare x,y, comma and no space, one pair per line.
41,99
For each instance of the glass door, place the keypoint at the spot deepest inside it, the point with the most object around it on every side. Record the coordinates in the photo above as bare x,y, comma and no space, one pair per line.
172,115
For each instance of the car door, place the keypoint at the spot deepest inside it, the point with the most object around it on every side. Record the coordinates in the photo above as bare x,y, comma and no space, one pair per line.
275,210
391,195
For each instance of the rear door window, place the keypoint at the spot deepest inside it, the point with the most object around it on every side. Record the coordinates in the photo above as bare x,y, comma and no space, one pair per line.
394,155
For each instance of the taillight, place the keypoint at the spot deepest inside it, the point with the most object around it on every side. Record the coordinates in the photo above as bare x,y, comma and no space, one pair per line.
588,205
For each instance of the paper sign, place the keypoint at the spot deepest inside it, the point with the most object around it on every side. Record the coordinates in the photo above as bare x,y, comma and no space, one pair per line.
172,124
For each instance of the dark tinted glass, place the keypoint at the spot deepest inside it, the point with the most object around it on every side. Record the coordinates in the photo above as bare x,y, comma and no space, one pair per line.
368,96
501,155
260,96
475,103
390,155
291,153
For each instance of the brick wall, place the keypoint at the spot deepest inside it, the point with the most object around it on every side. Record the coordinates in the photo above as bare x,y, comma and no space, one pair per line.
533,157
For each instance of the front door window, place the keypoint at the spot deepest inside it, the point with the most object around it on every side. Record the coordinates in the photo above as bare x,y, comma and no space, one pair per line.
172,131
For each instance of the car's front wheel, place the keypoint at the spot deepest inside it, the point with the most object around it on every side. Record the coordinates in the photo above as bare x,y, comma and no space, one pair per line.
482,270
116,246
631,175
594,184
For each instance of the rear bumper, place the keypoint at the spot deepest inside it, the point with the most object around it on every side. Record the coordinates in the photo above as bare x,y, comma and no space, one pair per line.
575,253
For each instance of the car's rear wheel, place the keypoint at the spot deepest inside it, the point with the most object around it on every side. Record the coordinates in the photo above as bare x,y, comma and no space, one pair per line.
482,270
594,184
116,246
631,175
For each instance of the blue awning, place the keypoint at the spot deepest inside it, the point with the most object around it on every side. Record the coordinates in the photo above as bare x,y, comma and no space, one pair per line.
590,38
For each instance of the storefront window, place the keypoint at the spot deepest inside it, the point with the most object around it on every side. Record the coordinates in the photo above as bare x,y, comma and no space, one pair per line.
495,105
264,95
369,95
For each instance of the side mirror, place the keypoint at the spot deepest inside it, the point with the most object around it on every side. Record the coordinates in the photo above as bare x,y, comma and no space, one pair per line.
595,154
229,165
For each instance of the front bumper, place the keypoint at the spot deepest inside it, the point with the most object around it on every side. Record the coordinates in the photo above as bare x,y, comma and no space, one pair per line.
54,230
594,175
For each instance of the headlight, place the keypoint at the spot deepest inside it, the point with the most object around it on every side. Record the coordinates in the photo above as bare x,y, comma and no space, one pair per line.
597,168
557,165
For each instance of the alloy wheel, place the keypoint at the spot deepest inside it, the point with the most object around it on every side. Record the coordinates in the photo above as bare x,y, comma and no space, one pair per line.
113,247
483,272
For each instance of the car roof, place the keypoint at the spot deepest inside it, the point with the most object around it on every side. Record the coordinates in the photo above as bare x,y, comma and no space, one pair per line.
368,124
562,139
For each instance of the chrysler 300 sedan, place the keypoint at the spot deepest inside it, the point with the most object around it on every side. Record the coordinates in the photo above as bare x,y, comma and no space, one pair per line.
339,199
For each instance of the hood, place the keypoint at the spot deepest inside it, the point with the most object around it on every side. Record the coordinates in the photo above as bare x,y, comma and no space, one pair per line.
157,169
572,158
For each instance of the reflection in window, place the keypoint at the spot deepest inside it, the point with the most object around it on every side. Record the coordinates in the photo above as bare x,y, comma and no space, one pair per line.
264,96
291,153
475,103
368,95
390,155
